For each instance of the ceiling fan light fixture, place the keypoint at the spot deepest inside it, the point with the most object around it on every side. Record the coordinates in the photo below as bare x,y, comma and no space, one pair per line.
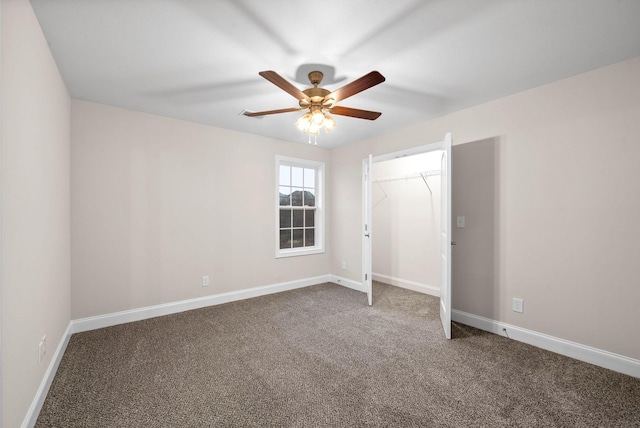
329,122
303,122
317,116
312,121
314,129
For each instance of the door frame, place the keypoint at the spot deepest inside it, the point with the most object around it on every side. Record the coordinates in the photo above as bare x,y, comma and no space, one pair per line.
367,262
367,245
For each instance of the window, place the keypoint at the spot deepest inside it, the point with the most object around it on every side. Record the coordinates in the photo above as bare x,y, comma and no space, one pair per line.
299,207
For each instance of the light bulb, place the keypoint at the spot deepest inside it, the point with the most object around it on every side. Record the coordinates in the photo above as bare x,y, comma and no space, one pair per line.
329,122
314,128
317,117
303,122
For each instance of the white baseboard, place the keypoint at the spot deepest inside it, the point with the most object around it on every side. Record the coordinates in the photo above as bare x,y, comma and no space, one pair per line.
354,285
598,357
410,285
405,283
108,320
34,410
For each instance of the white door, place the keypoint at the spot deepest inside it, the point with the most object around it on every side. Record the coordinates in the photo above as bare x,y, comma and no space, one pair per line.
445,237
367,255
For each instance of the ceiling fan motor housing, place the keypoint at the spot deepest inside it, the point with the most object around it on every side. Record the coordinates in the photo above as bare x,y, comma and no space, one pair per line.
316,95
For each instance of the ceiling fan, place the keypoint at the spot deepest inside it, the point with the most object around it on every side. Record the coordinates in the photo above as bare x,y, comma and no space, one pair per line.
319,102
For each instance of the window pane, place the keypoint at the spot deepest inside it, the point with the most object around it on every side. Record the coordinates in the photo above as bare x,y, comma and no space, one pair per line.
309,198
296,176
285,196
298,218
285,239
309,237
285,219
297,238
296,197
285,175
309,218
309,177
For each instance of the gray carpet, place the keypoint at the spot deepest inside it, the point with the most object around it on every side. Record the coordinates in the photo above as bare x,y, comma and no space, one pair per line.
320,357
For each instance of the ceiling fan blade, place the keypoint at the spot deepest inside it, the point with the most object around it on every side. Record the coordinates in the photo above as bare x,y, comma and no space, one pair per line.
263,113
354,112
358,85
283,84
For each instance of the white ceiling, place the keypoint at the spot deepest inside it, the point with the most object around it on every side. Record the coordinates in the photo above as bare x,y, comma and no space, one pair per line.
199,60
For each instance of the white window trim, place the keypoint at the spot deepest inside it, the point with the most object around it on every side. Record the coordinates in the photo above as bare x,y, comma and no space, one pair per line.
319,220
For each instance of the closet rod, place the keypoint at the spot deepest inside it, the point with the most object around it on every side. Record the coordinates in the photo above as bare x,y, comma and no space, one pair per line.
422,175
409,176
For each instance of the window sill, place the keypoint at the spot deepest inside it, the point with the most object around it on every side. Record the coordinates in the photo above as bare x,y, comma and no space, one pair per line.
298,252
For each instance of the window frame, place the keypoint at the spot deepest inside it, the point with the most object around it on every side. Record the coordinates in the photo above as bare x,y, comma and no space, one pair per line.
319,232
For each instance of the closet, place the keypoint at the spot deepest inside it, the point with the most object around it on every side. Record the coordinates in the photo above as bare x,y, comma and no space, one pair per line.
406,222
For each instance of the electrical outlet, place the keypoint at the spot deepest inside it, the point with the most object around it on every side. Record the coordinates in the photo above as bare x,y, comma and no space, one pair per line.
205,281
344,264
518,305
42,349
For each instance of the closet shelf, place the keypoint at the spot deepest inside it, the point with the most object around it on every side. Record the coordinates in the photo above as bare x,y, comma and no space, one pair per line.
423,175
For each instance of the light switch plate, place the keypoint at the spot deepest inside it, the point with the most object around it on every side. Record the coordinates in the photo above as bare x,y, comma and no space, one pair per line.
460,221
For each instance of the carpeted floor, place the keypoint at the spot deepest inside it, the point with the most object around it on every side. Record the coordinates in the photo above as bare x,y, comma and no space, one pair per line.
320,357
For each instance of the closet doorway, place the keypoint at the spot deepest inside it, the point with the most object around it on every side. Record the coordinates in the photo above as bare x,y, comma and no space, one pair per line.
407,222
405,196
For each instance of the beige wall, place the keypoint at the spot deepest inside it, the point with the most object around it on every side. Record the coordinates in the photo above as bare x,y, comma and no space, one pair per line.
157,203
569,199
475,257
35,207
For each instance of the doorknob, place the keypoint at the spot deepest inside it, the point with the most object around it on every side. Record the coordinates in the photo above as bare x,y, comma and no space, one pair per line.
366,234
453,242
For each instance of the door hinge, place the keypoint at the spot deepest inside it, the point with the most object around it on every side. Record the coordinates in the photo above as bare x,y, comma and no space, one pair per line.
366,276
